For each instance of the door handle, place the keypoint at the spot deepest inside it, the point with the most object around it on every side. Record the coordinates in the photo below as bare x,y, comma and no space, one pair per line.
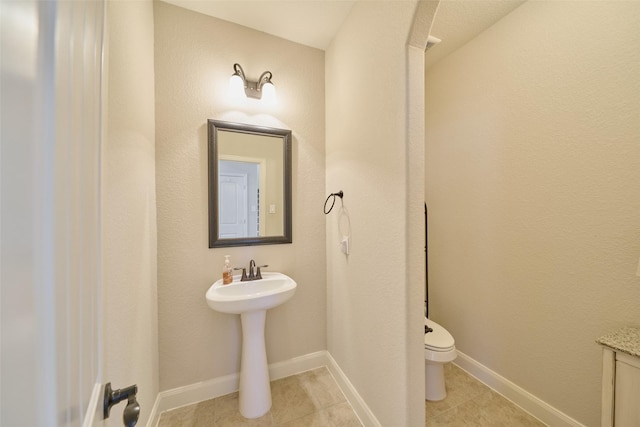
112,397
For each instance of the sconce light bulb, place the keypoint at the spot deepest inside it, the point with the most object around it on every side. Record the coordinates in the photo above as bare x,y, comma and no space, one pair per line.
236,87
269,94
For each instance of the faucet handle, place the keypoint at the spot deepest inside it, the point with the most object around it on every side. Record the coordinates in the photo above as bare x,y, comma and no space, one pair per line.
244,273
258,274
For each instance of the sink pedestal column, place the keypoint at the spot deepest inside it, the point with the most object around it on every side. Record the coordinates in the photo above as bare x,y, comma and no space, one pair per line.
255,389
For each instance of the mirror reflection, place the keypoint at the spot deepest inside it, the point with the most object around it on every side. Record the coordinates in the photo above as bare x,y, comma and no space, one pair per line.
249,185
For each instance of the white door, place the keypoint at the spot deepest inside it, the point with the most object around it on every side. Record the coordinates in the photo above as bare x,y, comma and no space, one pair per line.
232,205
51,362
251,169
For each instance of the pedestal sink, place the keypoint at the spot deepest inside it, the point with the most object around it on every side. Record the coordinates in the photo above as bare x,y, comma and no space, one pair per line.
251,300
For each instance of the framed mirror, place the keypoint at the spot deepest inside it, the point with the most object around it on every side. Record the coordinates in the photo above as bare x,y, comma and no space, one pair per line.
249,185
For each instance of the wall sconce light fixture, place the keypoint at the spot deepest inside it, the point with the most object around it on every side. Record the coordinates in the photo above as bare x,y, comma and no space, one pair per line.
261,89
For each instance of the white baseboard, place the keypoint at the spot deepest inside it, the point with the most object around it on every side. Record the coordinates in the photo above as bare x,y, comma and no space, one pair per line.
298,364
357,403
525,400
205,390
220,386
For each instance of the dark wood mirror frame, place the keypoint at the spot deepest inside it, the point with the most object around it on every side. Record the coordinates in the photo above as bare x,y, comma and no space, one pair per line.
214,126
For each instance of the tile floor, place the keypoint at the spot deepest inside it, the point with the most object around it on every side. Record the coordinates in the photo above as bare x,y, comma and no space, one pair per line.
313,399
308,399
471,403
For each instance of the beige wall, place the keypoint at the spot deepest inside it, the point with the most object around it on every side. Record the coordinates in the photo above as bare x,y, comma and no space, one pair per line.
194,57
533,187
129,207
368,293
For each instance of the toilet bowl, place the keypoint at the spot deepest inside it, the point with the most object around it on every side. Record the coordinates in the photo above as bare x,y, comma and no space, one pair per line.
439,348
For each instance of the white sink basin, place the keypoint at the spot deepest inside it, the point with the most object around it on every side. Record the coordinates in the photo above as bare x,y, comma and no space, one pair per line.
240,297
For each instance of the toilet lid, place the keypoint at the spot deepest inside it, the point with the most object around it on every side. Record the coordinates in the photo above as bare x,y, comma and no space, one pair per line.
438,340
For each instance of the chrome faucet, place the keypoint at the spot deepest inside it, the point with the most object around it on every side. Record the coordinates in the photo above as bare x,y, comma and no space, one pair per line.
253,274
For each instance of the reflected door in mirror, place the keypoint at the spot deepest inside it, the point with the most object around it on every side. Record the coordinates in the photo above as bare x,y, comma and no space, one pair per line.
233,206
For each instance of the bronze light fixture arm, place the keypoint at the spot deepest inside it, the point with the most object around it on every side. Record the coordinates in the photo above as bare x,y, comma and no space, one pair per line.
253,89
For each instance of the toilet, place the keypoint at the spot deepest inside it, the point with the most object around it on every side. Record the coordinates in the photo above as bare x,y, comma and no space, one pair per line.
439,348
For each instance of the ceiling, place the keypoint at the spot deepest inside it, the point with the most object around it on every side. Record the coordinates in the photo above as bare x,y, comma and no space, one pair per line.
308,22
315,22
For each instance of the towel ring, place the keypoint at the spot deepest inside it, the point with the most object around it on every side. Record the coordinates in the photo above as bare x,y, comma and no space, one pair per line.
339,194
